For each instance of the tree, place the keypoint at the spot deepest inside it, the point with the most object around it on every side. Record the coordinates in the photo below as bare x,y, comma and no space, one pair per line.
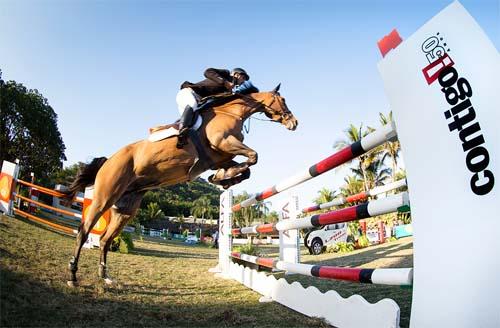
28,131
201,206
177,200
65,176
353,185
325,195
246,215
391,148
376,173
152,212
272,217
355,134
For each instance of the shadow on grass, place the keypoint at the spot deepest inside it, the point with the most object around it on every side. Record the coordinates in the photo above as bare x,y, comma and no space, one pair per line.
173,291
166,254
29,303
6,254
44,227
370,254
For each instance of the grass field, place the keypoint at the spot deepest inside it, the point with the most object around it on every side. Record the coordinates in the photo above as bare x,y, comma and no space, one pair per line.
158,284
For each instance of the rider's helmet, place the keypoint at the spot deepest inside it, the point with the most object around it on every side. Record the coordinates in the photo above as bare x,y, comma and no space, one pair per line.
241,71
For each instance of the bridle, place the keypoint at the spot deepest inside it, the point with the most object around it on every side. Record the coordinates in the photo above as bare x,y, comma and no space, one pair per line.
284,115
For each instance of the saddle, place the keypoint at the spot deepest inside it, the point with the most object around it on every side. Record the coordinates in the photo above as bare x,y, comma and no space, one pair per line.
161,132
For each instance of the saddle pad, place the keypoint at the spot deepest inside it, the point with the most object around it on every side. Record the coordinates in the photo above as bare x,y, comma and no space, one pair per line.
172,131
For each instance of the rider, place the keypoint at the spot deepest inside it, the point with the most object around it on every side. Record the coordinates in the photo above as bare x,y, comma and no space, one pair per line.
217,81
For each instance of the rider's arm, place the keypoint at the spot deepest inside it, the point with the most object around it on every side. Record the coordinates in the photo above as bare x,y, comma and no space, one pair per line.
219,76
245,87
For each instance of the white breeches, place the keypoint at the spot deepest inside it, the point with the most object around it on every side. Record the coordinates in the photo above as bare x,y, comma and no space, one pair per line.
186,97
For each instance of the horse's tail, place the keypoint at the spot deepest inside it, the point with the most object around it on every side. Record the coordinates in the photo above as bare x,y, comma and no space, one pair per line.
85,177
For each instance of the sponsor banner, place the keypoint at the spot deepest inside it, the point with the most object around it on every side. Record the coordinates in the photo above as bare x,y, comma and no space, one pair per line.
442,84
7,181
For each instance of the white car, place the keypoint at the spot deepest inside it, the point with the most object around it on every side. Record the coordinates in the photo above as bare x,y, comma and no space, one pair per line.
191,238
317,240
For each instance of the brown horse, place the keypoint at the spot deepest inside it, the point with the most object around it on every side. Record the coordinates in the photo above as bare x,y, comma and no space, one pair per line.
121,181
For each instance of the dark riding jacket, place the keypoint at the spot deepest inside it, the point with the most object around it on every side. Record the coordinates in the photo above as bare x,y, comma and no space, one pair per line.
216,82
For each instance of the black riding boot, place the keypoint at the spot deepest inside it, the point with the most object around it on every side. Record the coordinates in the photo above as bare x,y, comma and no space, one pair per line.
184,125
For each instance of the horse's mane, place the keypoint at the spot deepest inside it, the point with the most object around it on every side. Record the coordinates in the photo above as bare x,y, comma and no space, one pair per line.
226,100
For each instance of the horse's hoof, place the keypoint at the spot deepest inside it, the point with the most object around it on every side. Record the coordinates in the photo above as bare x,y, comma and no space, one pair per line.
108,281
72,283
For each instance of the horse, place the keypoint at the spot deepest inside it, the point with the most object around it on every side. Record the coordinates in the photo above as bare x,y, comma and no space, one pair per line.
121,181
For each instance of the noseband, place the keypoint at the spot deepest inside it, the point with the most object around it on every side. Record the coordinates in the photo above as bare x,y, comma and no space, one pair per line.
283,115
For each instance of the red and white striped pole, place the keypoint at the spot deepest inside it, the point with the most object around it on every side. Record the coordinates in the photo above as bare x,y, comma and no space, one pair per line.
361,211
392,276
357,197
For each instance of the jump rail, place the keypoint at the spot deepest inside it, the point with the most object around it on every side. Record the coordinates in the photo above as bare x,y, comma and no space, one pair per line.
357,197
357,212
9,179
46,222
393,276
47,190
76,215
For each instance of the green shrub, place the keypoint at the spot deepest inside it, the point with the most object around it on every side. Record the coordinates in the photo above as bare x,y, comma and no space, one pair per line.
123,243
342,247
185,233
363,241
247,249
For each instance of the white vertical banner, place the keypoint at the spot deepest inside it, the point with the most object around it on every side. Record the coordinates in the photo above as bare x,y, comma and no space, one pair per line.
225,226
289,239
93,239
443,88
8,176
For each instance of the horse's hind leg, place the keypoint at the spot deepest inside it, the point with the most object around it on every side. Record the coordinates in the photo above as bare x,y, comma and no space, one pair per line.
94,213
108,188
125,209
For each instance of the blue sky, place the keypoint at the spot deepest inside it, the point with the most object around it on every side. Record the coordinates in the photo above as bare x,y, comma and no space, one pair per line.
111,69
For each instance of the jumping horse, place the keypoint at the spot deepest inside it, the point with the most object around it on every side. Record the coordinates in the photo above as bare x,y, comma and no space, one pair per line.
121,181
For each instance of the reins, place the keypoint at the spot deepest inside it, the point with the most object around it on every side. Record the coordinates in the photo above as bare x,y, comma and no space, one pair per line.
259,103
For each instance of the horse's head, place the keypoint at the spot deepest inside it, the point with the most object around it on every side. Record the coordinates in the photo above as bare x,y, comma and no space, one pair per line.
276,109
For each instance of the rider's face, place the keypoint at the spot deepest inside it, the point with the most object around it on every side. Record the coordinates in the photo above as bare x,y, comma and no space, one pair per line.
239,78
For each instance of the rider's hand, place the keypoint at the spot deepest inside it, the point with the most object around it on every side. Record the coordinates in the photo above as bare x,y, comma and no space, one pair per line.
228,85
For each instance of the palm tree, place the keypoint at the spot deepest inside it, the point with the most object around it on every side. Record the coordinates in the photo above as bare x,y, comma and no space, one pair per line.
355,134
200,207
247,215
353,185
391,148
152,212
325,195
376,172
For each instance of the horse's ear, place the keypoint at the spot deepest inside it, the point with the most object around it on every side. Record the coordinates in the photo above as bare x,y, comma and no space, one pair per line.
275,90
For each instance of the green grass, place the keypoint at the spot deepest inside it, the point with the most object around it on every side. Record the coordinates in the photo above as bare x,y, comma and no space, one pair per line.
158,284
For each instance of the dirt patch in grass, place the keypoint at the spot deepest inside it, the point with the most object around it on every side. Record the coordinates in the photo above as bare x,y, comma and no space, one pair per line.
158,284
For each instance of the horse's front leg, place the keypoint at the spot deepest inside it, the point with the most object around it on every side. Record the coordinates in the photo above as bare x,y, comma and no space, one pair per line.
218,177
231,145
